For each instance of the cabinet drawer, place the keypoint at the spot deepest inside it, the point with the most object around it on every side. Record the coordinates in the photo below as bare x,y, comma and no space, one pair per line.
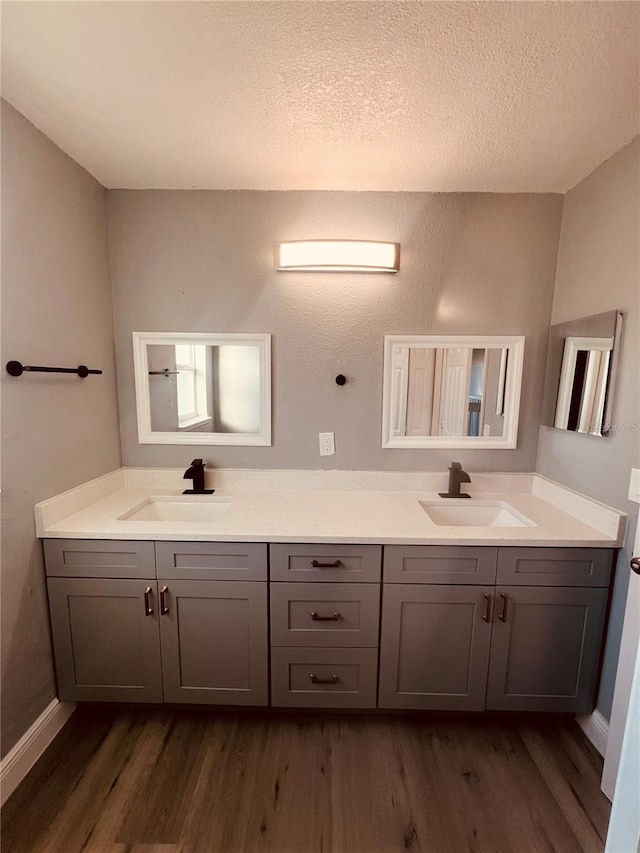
350,563
311,614
555,566
440,564
103,558
324,678
212,561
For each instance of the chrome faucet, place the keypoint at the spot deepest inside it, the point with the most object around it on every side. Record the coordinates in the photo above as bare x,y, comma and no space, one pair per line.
195,472
456,476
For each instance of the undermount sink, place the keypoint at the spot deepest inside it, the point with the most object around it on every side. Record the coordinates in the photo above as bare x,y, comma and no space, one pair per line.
178,508
472,513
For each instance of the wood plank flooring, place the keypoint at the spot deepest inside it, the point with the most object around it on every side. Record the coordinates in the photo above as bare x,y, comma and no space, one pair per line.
191,781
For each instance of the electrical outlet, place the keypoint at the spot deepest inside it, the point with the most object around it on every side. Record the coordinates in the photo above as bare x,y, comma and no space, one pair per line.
327,443
634,485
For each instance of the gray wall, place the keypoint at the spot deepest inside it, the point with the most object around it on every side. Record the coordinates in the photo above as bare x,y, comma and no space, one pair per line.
203,261
599,270
57,431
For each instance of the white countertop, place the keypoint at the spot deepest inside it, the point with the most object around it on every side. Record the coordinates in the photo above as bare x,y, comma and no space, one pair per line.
387,514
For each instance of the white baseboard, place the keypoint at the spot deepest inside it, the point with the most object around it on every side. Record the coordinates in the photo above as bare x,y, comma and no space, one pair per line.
18,761
596,728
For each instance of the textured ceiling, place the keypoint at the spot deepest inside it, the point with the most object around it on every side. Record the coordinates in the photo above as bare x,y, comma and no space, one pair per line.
439,96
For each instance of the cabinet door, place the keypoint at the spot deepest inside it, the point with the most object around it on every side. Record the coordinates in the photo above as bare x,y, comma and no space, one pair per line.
214,642
105,639
545,648
434,648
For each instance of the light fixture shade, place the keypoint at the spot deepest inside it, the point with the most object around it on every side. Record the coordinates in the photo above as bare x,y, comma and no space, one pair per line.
338,256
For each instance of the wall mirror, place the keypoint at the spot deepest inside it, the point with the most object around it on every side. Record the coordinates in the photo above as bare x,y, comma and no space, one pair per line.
451,392
581,364
194,388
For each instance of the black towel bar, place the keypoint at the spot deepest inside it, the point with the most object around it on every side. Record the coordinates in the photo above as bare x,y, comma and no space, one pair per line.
15,368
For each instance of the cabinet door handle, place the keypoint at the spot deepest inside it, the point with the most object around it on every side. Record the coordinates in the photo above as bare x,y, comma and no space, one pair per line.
487,610
148,608
333,679
502,616
635,565
317,618
164,607
337,564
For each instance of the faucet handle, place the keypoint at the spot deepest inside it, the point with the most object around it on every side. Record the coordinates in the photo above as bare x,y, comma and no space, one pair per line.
456,466
198,463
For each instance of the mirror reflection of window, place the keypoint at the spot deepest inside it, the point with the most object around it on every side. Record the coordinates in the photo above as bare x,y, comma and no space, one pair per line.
236,389
194,372
201,388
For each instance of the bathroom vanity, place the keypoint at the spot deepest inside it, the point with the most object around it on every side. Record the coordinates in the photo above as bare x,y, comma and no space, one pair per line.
458,617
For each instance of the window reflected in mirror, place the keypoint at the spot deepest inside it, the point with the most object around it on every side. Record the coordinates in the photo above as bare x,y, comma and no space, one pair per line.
450,392
202,389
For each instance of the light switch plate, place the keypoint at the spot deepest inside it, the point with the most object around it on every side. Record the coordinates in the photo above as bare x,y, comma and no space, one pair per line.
634,485
327,443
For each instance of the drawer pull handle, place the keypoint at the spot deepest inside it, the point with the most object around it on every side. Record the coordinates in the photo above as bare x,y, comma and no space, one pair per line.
337,564
487,612
333,679
164,607
148,609
317,618
502,616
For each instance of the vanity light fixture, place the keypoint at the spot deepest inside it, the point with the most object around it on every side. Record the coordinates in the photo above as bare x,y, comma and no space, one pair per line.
338,256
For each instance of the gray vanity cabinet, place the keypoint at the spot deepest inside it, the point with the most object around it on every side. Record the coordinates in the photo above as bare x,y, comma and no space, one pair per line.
547,629
186,636
105,639
530,643
434,646
462,627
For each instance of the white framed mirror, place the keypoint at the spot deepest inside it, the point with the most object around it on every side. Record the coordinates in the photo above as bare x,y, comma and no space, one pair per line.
451,392
581,371
197,388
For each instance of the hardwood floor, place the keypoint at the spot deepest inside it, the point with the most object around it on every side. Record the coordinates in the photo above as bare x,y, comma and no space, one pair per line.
161,781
